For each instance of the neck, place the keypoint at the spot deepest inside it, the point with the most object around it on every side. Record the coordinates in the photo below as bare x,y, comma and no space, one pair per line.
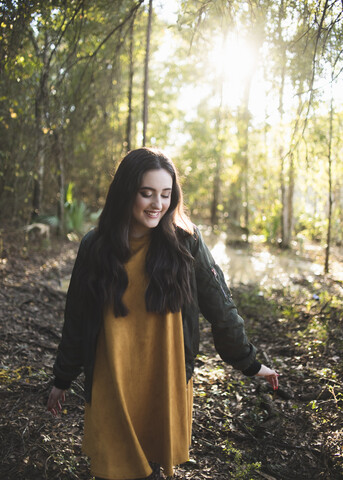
137,233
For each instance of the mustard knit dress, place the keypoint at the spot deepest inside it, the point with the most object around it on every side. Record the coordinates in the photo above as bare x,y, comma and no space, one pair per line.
141,406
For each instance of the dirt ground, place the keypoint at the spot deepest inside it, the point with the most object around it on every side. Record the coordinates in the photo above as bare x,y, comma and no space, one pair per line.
241,429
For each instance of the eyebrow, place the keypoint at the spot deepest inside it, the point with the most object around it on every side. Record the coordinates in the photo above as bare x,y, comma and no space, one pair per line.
153,189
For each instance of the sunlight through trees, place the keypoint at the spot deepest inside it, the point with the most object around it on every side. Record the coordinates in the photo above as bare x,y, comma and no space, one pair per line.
245,95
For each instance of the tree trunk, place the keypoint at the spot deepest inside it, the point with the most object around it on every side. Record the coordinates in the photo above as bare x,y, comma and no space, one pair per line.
146,74
129,116
240,190
245,154
330,200
281,152
283,193
38,181
41,126
39,178
290,197
59,152
287,205
288,194
216,193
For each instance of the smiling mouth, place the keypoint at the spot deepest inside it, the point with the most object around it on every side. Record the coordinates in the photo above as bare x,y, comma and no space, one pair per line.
152,214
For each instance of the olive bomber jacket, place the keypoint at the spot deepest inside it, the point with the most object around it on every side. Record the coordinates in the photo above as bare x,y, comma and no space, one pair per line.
211,297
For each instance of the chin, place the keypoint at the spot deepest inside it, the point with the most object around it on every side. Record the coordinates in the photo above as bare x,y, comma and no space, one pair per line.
153,224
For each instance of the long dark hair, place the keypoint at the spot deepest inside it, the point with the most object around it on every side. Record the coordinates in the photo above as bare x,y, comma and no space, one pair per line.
168,262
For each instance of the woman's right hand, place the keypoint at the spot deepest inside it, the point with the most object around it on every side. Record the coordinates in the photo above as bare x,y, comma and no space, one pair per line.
270,375
54,402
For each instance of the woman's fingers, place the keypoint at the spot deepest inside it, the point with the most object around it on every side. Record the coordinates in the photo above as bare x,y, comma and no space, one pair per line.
270,375
273,380
54,402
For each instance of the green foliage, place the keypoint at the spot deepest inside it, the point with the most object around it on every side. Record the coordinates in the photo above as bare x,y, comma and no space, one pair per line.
268,224
311,227
51,220
75,216
242,469
75,213
65,76
94,216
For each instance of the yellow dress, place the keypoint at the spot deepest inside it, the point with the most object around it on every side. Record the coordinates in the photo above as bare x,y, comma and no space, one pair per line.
141,408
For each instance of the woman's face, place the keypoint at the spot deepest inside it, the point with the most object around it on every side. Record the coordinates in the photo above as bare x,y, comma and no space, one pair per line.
152,201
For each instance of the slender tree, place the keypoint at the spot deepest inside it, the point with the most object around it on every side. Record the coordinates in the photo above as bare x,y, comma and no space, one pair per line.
218,150
60,160
41,111
46,41
130,89
330,194
146,74
282,60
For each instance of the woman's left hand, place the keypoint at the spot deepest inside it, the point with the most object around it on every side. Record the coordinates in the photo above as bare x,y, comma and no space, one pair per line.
56,397
270,375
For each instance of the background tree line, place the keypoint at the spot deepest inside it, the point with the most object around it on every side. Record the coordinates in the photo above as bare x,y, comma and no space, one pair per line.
82,82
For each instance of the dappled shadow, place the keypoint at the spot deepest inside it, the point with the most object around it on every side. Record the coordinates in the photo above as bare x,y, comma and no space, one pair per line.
241,429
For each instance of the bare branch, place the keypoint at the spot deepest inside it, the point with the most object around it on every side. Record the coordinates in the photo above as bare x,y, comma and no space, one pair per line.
34,43
118,27
64,27
92,56
314,59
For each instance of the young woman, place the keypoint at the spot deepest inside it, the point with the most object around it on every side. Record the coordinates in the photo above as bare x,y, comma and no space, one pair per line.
131,323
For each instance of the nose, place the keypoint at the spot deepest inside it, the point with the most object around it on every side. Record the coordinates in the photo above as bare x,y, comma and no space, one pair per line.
157,202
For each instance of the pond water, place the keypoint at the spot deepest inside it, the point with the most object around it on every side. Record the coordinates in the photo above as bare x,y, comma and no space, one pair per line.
265,266
260,264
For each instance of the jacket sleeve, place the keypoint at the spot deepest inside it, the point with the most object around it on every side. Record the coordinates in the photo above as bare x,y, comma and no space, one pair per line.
69,359
216,304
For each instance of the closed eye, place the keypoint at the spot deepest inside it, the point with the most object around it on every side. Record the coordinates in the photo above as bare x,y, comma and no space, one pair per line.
146,194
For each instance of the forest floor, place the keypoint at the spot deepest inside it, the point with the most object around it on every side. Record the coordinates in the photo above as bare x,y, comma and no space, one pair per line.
241,429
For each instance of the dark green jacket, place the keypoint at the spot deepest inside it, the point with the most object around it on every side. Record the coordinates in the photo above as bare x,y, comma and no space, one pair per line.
211,296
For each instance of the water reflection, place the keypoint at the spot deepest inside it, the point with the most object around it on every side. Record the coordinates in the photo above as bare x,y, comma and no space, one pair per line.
259,265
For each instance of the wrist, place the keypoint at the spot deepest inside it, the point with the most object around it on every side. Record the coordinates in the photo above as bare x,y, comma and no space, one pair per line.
253,369
61,384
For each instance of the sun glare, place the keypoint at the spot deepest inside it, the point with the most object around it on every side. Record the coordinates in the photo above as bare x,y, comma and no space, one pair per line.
234,58
237,65
234,61
231,64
